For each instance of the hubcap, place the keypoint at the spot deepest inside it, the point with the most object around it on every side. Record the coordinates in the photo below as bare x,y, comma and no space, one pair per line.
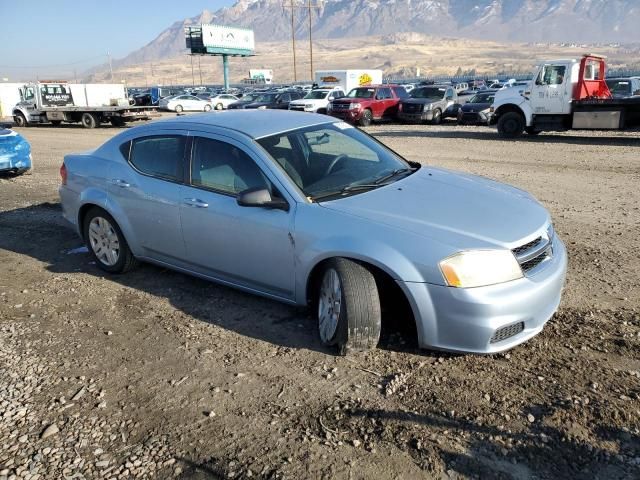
329,305
104,241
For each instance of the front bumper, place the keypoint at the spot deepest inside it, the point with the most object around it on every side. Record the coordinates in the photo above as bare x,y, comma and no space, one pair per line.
466,320
416,117
474,118
346,115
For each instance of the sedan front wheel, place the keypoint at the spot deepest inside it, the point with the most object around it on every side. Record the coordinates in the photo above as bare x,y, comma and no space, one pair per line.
349,313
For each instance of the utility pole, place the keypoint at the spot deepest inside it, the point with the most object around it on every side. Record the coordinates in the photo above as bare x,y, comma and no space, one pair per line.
193,78
309,7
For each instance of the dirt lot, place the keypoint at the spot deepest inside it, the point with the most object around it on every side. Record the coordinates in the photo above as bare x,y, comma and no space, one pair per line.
156,374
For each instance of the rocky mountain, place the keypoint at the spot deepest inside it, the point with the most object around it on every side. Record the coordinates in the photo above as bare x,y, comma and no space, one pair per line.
579,21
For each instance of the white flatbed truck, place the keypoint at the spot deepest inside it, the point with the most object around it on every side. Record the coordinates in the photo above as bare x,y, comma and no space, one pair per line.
564,95
88,104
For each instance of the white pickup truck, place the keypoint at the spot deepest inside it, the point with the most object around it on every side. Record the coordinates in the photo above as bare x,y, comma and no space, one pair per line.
564,95
317,100
89,104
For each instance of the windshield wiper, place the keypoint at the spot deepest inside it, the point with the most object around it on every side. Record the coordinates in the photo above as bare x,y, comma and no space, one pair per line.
392,174
345,190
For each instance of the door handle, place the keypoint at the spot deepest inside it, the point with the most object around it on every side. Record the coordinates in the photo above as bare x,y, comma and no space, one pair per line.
196,203
121,183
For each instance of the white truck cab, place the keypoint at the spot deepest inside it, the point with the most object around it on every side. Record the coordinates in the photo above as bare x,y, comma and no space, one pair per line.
317,100
563,95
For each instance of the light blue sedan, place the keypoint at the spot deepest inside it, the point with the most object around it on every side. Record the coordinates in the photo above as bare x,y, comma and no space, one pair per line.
308,210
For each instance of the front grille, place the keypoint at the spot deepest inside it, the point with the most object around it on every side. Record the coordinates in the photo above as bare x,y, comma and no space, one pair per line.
507,332
527,246
296,107
341,106
412,107
470,116
532,254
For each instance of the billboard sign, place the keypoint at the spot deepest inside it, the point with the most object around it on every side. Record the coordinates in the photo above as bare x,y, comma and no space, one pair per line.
228,40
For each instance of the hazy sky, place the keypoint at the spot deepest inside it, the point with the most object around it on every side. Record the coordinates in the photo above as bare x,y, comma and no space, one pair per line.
44,37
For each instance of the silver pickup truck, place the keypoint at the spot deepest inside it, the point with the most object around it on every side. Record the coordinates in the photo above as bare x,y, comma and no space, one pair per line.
429,104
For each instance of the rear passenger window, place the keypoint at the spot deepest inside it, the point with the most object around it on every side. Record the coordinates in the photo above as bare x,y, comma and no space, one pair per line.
401,92
159,156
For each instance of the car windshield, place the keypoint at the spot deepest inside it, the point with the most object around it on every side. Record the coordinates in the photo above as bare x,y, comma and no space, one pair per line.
362,93
619,86
316,95
483,98
334,159
427,92
266,98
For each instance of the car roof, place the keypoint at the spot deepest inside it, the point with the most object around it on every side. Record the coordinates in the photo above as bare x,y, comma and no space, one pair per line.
253,123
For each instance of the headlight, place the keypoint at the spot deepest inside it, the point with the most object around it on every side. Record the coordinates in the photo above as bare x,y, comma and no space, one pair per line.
262,107
354,106
479,268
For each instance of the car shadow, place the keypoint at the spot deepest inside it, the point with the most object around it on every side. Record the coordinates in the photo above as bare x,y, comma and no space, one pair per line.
492,135
40,232
529,450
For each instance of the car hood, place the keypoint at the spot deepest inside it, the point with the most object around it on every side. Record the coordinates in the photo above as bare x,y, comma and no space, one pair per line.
259,104
303,101
461,210
475,107
421,101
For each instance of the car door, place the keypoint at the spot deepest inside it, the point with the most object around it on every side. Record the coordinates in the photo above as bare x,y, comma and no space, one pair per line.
245,246
548,92
388,103
283,101
146,190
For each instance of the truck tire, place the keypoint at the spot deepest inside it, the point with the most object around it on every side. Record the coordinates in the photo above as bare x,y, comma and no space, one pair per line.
366,118
117,122
436,118
532,131
90,120
20,120
348,307
511,125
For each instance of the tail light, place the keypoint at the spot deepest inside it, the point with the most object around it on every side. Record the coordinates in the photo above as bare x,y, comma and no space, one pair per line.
63,174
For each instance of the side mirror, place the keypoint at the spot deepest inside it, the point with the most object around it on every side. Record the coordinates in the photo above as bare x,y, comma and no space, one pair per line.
331,99
261,197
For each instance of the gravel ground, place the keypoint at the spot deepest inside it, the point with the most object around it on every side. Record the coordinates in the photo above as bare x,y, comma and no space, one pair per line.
155,374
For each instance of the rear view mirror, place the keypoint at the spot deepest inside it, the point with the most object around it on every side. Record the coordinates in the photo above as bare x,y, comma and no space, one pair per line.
261,197
319,140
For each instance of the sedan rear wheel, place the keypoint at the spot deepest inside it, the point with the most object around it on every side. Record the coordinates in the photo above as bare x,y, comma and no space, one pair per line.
219,106
207,108
349,314
179,108
106,243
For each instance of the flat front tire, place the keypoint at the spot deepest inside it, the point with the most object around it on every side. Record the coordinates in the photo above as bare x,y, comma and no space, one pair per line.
511,125
106,243
436,119
348,307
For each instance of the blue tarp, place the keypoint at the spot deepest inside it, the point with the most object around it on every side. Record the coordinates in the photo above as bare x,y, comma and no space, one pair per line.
15,151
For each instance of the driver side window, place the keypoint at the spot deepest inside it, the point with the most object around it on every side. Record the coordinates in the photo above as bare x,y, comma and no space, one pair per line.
551,75
223,167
